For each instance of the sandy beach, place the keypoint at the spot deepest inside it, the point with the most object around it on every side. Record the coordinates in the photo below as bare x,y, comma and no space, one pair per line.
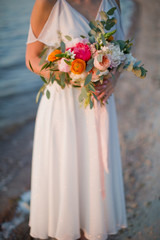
137,102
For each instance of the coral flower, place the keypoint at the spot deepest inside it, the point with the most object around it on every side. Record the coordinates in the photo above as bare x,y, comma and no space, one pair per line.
82,51
111,38
102,65
52,56
78,66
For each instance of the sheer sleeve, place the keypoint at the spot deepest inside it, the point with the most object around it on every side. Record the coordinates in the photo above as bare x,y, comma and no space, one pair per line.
49,30
120,30
119,35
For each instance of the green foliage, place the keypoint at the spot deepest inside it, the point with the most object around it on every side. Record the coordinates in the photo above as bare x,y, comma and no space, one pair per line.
111,11
48,94
68,38
31,66
89,65
88,79
43,79
100,58
63,46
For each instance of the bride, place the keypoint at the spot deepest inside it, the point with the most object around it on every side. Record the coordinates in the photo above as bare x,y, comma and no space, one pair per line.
73,194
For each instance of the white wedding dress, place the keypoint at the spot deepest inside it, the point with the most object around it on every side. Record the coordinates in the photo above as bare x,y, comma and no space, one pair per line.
77,180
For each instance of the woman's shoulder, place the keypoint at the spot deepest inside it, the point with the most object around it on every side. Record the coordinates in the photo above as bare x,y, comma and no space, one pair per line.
40,13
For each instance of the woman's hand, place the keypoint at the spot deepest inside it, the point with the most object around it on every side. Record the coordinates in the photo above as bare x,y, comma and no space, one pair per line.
104,90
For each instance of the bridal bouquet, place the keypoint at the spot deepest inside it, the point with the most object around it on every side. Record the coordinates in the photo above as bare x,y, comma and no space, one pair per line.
84,61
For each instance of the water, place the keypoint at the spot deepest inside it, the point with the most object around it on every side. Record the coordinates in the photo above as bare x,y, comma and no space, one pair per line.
18,86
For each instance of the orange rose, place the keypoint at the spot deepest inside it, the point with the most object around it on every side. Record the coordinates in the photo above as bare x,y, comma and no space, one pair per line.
78,66
52,57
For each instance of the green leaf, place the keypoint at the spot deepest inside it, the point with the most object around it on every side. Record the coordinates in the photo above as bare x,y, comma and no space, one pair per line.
92,25
63,46
53,78
91,88
84,92
103,40
136,64
98,72
80,98
46,65
103,15
100,58
48,94
88,79
62,79
68,38
92,32
122,44
111,11
82,36
109,24
41,90
43,52
90,61
107,35
60,55
91,104
43,79
43,59
31,66
92,39
68,62
89,67
95,96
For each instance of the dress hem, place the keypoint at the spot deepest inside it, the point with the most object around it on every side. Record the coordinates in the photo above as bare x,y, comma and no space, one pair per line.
86,235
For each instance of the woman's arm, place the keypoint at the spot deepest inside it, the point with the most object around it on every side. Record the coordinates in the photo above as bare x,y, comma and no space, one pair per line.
39,16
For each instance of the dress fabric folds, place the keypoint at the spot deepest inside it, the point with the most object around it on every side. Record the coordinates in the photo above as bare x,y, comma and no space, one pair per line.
76,177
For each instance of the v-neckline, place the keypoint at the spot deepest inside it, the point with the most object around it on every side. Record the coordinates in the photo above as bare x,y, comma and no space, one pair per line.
82,14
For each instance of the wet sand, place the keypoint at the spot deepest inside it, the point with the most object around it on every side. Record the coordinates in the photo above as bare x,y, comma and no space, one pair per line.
137,102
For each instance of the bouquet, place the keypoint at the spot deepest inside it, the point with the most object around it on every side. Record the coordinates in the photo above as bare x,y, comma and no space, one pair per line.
86,60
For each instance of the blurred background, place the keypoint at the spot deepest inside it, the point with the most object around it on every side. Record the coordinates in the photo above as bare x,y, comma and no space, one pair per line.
137,102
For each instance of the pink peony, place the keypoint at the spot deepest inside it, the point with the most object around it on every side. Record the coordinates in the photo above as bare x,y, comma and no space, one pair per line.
63,66
102,65
82,51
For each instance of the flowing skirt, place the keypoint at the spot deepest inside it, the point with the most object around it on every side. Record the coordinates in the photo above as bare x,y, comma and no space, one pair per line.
76,178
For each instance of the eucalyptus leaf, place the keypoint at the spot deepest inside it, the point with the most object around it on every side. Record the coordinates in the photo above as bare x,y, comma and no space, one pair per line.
90,61
136,64
68,38
43,59
103,40
95,96
63,46
46,65
91,103
41,90
43,79
91,88
92,26
92,39
43,52
111,11
103,15
84,92
68,62
31,66
89,67
98,72
53,79
88,79
48,94
100,58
